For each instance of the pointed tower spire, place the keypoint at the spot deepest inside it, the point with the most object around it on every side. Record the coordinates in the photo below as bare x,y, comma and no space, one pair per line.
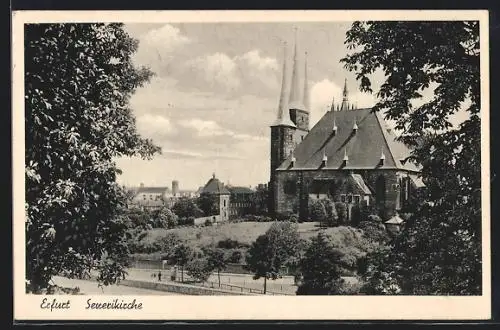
332,107
345,97
296,92
307,102
283,118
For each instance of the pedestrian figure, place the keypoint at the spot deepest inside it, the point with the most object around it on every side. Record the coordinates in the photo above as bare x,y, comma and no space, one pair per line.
173,276
159,276
153,275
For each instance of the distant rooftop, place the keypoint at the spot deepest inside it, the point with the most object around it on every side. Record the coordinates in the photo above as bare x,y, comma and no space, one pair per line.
214,186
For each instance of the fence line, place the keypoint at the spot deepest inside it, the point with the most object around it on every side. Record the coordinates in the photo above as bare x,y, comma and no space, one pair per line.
232,287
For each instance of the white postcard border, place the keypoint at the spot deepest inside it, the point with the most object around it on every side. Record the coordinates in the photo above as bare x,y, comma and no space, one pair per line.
245,307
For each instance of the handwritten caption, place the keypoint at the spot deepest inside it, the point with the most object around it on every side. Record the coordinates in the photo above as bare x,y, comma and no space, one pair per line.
55,304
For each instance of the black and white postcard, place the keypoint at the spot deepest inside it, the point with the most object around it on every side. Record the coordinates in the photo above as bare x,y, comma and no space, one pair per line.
222,165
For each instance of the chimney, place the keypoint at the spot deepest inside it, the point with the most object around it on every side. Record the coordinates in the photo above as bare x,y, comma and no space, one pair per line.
355,127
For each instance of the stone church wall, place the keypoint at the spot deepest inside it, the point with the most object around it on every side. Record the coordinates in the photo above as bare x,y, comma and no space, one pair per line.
293,188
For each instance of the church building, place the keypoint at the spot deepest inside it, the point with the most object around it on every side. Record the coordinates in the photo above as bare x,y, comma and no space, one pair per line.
349,156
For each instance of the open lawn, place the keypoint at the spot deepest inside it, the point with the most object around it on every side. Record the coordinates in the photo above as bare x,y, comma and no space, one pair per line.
247,232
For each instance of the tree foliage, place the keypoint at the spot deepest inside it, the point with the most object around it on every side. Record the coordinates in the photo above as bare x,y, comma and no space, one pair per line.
216,261
165,218
321,268
341,213
275,249
439,252
317,211
78,82
199,269
181,255
187,208
209,204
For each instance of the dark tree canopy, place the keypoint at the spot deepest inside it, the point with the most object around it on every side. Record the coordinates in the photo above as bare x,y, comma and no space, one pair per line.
440,249
277,248
321,268
78,80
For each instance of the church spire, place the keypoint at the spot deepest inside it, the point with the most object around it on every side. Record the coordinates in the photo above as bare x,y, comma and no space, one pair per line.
283,118
306,85
345,98
332,107
296,92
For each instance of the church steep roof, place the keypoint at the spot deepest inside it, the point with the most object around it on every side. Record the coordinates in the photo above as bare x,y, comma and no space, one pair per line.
362,146
214,186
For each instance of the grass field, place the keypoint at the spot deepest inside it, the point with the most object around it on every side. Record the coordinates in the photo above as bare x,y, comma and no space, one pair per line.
247,232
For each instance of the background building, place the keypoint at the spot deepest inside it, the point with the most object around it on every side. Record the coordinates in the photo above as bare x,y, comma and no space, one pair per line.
157,197
242,201
220,195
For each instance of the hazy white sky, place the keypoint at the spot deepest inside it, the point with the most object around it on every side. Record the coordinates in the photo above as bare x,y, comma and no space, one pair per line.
216,92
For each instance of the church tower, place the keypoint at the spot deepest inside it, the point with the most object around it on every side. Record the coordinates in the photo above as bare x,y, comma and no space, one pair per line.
282,131
299,96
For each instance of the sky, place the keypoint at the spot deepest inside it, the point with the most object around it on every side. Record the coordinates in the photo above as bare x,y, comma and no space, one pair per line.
216,91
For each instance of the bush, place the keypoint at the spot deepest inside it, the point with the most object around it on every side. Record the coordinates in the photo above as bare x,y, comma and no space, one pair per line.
406,216
317,211
285,216
341,212
168,242
374,231
257,218
198,269
332,218
293,218
165,218
228,244
208,222
374,218
186,221
347,288
235,257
